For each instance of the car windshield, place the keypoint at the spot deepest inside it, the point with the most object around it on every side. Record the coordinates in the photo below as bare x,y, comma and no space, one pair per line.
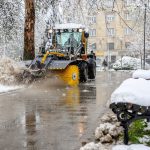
68,39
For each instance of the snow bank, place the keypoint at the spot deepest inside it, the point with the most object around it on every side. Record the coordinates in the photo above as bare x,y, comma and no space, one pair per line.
90,146
131,147
145,74
93,146
134,91
4,88
128,63
9,70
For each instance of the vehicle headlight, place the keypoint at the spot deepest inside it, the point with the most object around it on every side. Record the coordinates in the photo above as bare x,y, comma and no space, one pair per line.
50,31
80,30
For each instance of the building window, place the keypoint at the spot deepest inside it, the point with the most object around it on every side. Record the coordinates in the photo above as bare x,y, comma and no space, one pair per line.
110,31
127,31
110,46
128,2
109,3
92,32
113,59
128,16
127,45
92,19
110,17
93,46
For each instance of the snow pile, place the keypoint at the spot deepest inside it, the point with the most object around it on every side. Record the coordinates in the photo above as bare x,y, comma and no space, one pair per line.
145,74
93,146
134,91
109,130
131,147
9,71
90,146
4,88
128,63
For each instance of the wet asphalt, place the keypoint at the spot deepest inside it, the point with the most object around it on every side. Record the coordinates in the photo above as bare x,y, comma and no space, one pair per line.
48,115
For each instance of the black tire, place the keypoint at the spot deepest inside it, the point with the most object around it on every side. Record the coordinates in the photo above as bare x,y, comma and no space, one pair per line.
83,72
92,70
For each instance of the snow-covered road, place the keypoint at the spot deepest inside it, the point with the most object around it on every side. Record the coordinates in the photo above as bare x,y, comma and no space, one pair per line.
48,116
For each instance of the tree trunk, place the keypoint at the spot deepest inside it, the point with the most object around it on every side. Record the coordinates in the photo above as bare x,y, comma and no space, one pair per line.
29,46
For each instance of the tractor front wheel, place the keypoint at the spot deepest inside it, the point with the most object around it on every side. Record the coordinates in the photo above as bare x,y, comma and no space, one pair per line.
71,75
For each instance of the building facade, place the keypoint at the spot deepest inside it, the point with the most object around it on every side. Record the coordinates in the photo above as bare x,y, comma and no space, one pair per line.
111,30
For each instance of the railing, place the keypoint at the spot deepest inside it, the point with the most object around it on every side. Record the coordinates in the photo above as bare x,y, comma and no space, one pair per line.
127,113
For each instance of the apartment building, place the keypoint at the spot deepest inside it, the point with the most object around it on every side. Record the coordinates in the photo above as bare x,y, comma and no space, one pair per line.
111,30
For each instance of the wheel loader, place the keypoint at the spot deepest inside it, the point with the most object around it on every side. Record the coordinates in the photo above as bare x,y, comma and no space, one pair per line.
65,55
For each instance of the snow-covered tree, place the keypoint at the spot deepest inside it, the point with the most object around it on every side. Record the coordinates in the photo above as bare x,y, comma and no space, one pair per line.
11,27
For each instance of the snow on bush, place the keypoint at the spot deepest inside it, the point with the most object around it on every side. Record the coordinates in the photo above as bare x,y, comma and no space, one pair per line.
109,118
145,139
131,147
108,132
128,63
135,91
9,70
145,74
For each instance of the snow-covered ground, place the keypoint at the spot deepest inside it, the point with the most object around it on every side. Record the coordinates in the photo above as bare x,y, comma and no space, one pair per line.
131,147
128,63
5,88
99,146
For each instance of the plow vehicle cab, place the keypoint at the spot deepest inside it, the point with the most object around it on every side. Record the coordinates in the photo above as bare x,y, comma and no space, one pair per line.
65,54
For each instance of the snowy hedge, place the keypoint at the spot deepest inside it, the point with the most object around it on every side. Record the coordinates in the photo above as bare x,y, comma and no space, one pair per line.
128,63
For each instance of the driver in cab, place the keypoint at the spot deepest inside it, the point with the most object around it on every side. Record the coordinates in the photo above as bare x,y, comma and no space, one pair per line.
71,43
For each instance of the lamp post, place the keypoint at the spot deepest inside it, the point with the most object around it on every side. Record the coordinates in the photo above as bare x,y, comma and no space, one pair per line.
144,35
121,51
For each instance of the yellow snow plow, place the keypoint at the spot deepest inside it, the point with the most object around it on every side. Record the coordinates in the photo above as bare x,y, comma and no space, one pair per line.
65,54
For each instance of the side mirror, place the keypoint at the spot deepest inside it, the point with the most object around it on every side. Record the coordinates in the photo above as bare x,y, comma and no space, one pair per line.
86,34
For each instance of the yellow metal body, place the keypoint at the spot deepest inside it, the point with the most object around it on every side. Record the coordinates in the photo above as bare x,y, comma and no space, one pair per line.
84,42
69,75
51,53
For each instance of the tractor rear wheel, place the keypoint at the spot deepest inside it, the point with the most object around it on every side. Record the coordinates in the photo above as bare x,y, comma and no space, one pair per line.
83,72
92,71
